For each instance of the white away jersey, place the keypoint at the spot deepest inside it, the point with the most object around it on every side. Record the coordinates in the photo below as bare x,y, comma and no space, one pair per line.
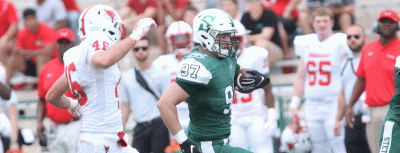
95,88
251,58
170,64
322,60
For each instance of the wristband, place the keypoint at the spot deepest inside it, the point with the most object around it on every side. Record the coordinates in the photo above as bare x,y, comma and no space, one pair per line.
295,102
180,136
272,113
73,103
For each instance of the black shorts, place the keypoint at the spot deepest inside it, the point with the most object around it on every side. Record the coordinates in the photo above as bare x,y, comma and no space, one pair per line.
290,26
30,68
336,26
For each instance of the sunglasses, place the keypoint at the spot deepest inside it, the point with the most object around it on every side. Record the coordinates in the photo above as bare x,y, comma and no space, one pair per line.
136,49
355,36
249,1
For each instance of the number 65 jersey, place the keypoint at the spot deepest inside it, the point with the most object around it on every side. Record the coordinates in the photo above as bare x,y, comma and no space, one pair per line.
322,60
95,88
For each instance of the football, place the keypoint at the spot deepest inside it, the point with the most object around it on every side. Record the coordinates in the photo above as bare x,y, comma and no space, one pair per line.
239,77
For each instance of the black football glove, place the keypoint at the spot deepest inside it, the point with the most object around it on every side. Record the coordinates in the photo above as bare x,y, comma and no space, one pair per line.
254,81
397,72
188,147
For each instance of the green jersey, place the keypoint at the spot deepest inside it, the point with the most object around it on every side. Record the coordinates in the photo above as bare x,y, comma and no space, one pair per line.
209,82
394,105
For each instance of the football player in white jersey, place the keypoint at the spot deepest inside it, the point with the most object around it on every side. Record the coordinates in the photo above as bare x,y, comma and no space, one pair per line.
248,116
92,74
179,36
318,80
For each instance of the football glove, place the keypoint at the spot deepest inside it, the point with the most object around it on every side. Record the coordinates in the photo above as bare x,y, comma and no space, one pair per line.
254,81
74,108
188,147
397,72
142,28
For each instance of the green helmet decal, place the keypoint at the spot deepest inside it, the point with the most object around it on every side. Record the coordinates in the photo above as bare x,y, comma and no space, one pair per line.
206,20
230,18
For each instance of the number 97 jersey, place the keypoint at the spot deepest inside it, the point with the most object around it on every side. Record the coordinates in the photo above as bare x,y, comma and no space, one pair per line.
95,88
322,61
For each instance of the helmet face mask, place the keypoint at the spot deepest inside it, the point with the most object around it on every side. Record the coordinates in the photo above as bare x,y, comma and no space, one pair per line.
103,20
179,37
208,28
241,36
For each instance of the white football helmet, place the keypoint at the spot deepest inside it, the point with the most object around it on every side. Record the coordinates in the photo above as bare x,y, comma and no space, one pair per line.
295,137
210,23
179,35
241,36
101,19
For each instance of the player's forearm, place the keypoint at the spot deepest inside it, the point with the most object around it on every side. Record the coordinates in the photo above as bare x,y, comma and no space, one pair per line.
112,55
13,116
341,106
269,97
169,115
40,111
125,113
5,91
358,89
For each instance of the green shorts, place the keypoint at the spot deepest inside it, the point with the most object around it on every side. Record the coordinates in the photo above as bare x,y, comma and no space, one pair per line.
389,140
218,146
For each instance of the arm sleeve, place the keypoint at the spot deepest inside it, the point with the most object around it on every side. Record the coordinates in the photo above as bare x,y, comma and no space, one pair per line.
100,45
124,93
60,11
189,87
193,72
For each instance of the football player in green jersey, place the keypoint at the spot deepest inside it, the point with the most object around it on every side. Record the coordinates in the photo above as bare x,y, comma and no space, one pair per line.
390,133
206,82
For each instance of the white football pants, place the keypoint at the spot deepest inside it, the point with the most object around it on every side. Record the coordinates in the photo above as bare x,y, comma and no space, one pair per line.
320,116
101,143
249,131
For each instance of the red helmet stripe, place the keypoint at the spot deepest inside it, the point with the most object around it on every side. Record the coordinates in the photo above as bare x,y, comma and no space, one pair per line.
83,21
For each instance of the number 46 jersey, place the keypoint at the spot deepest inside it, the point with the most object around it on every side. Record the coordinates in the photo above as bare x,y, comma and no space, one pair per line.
95,88
322,60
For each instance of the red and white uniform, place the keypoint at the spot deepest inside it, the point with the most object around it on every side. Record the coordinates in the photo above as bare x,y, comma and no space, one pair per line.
323,61
170,64
248,116
95,88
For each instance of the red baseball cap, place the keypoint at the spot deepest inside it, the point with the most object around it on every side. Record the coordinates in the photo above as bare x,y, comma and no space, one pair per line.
388,13
65,33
